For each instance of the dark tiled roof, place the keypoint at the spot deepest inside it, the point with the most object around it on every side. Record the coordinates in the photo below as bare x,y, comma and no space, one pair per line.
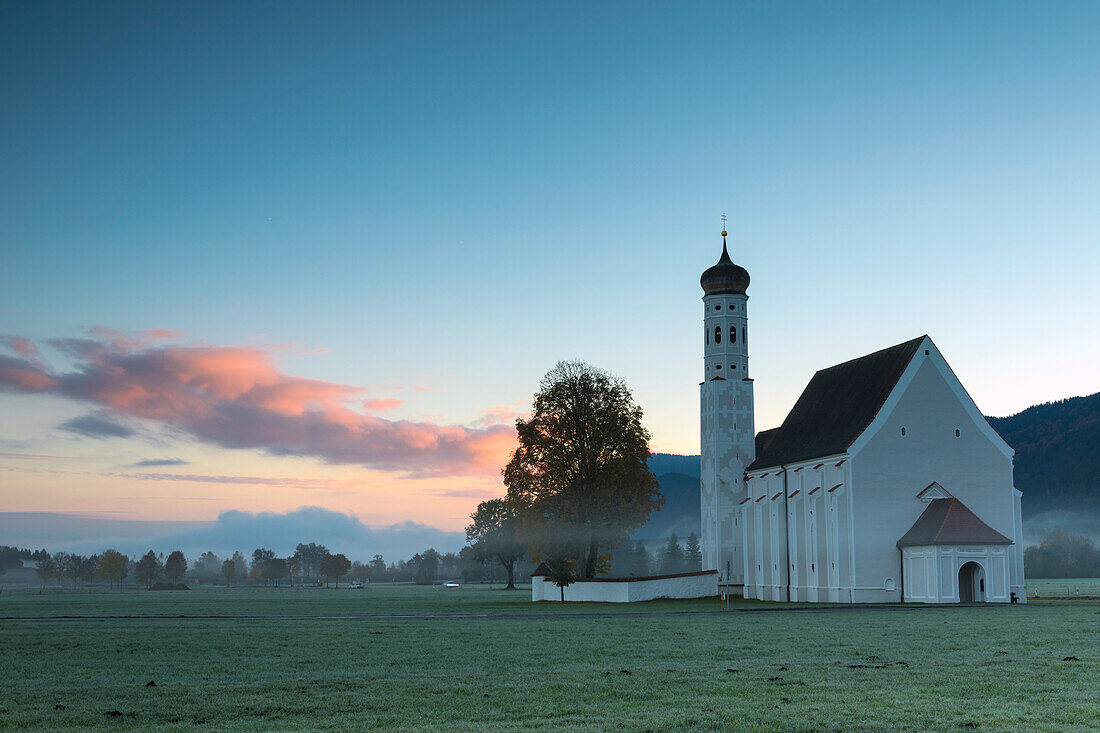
836,407
950,522
763,438
542,570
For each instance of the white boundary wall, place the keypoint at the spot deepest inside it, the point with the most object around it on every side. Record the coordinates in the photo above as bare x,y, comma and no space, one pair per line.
629,590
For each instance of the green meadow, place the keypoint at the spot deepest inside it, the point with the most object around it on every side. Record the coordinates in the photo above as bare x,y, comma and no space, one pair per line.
435,659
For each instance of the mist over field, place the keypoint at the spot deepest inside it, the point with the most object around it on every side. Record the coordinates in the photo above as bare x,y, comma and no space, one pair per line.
232,530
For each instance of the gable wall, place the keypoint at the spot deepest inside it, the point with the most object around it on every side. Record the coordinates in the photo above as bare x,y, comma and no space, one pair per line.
889,470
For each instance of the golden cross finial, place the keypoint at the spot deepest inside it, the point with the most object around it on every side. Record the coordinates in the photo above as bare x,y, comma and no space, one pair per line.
723,225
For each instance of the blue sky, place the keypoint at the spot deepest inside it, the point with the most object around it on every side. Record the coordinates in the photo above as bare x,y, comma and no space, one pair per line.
455,196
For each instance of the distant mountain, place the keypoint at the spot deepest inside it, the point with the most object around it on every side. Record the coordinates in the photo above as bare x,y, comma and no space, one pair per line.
661,463
680,514
678,477
1057,467
1057,454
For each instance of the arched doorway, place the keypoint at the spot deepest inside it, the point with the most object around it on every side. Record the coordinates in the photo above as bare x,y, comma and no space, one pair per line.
971,583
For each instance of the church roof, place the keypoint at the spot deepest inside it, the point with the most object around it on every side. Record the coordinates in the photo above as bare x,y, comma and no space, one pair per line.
725,277
543,569
950,522
836,407
763,438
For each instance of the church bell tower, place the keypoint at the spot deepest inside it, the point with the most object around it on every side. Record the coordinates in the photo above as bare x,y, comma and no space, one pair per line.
727,431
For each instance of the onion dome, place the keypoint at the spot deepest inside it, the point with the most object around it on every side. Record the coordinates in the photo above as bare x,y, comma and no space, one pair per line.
725,278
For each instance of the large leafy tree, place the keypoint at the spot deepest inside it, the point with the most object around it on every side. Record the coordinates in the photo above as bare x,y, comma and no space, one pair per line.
378,568
147,568
229,571
240,565
175,567
579,478
493,535
45,570
112,566
261,558
425,566
309,558
334,566
275,570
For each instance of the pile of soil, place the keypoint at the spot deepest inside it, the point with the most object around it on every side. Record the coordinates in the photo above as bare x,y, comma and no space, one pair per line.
169,586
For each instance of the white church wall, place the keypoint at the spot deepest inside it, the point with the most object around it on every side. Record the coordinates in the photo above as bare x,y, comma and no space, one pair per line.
808,533
629,590
889,469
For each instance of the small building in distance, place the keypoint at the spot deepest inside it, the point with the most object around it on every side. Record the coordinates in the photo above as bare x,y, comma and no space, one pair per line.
884,482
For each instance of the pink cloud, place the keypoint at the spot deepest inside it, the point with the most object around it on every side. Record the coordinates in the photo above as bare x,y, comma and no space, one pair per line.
382,404
163,334
506,414
21,346
233,396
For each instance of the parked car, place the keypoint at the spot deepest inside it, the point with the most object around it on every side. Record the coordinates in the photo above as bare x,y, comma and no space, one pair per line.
355,584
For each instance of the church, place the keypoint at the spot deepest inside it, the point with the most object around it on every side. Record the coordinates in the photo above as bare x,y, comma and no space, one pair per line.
884,483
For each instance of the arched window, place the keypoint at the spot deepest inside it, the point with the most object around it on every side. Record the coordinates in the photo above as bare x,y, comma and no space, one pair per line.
957,432
706,335
717,334
903,432
733,334
745,335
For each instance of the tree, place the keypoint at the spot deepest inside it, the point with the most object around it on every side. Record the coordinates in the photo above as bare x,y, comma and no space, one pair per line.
494,535
693,556
9,559
45,570
672,556
275,570
334,566
147,568
241,565
1062,555
425,566
175,567
229,571
378,567
112,567
260,560
309,557
208,568
579,477
61,566
71,565
89,568
360,572
562,573
294,568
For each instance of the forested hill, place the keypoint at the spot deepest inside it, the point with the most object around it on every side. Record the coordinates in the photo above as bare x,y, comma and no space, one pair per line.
1057,466
1057,454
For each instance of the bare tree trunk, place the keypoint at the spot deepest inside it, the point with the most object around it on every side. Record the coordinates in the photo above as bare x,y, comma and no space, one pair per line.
511,568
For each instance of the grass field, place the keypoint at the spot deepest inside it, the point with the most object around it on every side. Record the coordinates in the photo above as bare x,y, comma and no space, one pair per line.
431,659
1064,587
